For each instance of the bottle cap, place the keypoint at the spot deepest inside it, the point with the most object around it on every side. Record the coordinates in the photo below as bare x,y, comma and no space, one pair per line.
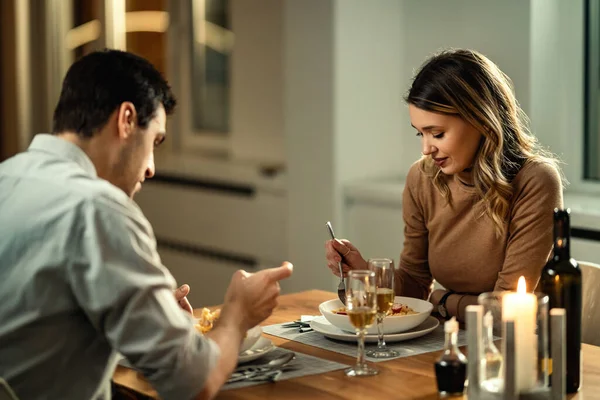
488,319
451,325
560,213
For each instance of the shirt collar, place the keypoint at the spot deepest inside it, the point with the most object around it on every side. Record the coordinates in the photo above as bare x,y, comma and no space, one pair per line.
62,148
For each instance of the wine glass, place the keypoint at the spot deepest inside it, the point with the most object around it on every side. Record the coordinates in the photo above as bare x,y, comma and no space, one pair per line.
384,280
361,308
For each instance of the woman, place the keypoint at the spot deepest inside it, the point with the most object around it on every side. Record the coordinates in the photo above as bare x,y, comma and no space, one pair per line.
478,205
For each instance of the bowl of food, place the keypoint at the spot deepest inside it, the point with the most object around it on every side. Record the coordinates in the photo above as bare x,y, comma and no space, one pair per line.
208,318
405,314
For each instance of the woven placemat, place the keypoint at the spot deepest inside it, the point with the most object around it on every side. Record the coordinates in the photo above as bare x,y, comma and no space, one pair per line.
432,341
301,365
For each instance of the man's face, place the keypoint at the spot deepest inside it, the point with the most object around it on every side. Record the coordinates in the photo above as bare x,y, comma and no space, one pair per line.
136,160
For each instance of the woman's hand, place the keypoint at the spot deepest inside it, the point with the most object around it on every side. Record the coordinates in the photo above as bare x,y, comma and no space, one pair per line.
342,250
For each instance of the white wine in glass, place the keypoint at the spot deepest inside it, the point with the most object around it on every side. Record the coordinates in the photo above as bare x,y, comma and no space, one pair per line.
362,317
361,307
385,299
384,279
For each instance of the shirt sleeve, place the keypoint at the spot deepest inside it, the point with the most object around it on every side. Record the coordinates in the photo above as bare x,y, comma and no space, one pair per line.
413,278
127,294
530,229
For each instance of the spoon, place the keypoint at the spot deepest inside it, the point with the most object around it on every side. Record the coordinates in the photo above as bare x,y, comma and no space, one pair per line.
259,372
342,285
280,361
274,363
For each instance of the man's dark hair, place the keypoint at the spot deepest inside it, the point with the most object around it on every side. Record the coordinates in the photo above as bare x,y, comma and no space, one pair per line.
98,83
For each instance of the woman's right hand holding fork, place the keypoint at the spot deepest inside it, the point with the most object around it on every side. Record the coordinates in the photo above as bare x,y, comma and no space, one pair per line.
337,250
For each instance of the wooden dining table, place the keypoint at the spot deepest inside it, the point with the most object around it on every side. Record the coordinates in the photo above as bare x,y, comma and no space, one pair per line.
402,378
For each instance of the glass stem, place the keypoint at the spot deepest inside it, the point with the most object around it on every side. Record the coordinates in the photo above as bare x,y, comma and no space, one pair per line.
360,360
380,340
490,337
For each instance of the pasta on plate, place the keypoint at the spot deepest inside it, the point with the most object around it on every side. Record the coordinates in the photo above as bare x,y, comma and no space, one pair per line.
396,310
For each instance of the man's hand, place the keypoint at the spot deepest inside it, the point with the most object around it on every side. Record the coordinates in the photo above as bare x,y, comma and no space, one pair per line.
180,296
252,297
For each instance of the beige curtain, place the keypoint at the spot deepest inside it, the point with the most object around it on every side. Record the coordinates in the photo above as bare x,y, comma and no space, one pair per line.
9,141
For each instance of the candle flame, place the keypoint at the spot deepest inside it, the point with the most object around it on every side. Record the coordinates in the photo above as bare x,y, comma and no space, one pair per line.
522,285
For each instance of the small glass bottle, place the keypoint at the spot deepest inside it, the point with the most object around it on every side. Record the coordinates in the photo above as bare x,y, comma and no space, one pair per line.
491,360
451,367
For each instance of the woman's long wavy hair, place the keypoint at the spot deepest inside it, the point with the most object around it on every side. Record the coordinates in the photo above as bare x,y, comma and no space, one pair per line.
467,84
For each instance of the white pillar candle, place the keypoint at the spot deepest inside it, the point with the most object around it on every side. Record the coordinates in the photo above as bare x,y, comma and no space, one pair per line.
521,307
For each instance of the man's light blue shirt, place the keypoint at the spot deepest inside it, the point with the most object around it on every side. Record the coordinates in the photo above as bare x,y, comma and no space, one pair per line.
80,279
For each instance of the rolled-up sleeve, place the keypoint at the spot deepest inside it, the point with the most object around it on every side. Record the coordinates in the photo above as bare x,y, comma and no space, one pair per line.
127,294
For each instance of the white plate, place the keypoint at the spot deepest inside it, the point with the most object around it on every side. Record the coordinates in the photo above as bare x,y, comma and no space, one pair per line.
392,323
252,336
260,348
321,325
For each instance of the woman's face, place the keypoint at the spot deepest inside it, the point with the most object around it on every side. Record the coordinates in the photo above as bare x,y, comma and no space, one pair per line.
451,142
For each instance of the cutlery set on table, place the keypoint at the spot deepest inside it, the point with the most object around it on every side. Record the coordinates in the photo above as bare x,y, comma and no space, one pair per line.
270,371
303,324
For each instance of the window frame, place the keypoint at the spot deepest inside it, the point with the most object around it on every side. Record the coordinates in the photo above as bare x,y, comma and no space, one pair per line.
188,139
184,138
591,88
557,74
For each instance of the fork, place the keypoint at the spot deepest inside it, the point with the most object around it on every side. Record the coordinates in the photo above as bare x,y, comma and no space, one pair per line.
303,327
342,285
270,371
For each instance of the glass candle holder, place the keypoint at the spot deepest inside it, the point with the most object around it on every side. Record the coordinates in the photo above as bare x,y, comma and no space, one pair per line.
529,311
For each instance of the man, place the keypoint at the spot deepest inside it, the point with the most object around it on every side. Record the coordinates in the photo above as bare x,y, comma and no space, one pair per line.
80,277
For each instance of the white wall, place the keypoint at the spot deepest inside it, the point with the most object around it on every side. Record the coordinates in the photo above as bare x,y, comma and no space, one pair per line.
498,29
309,137
557,67
368,105
257,81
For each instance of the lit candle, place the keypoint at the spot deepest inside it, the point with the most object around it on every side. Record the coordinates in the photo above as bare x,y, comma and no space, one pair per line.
521,307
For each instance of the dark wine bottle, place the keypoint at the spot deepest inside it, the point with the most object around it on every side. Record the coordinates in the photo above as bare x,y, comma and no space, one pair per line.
561,281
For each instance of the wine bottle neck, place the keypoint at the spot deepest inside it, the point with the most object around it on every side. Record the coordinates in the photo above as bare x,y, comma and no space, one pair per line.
561,252
562,246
